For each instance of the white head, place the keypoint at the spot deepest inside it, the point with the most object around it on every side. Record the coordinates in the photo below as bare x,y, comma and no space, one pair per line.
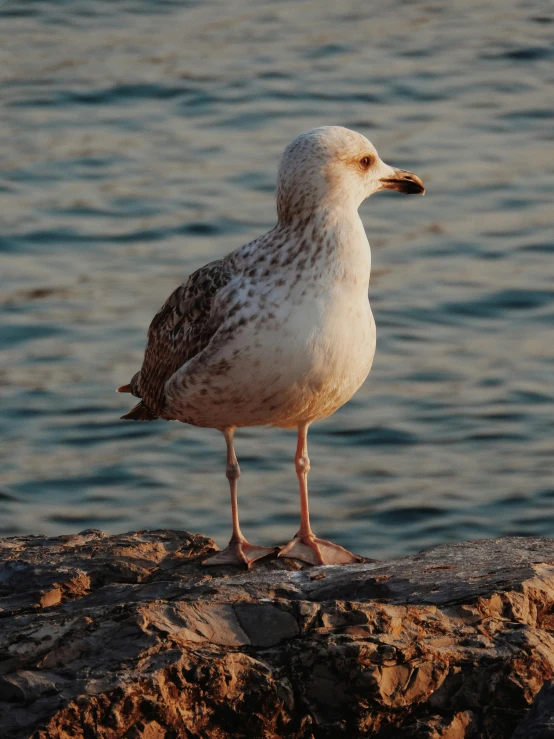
334,167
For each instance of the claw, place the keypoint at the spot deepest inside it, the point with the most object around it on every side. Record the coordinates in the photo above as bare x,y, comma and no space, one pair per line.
316,551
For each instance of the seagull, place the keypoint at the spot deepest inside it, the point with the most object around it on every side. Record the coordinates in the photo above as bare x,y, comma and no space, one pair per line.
279,332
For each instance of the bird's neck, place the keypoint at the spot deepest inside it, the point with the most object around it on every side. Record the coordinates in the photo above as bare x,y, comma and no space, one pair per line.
332,239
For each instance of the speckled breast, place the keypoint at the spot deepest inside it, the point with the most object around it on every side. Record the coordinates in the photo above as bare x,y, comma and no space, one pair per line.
299,362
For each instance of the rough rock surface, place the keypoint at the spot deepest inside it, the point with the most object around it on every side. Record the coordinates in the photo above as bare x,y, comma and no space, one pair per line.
539,720
129,636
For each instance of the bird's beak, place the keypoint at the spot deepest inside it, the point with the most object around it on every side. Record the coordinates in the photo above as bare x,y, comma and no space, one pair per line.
405,182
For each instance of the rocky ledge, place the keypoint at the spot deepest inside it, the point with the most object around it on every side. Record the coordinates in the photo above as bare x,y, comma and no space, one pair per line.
129,636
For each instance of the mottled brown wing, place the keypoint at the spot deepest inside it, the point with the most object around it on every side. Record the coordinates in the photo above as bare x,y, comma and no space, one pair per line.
179,331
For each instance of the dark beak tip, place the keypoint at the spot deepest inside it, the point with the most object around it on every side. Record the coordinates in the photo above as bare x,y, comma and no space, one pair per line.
406,183
414,189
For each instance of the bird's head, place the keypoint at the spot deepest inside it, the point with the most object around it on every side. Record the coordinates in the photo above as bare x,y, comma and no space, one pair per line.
332,167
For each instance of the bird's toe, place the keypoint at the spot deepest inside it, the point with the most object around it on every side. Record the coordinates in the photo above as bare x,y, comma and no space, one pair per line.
316,551
239,553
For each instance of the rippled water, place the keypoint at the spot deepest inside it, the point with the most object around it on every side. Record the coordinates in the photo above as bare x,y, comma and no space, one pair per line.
139,140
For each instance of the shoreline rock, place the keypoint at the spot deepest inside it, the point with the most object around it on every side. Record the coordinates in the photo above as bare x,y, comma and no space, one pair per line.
129,636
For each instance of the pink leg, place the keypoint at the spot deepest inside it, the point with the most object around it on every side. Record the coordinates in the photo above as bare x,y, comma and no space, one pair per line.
239,551
305,546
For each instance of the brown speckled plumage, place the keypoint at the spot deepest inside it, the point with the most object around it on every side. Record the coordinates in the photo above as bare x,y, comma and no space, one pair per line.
180,329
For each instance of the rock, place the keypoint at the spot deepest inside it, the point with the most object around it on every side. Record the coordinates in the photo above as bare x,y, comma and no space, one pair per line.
129,636
538,722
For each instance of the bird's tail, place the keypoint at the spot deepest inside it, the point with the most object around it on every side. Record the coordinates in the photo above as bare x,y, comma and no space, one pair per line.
141,412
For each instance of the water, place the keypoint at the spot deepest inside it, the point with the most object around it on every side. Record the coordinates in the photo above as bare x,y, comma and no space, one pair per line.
139,140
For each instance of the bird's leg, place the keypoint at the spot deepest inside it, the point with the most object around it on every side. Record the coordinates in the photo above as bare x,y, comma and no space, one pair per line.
239,551
305,546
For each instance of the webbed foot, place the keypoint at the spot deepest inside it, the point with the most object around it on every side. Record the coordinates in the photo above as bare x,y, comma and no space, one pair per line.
316,551
239,552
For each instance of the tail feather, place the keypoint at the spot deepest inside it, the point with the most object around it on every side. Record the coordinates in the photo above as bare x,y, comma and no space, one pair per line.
140,412
133,386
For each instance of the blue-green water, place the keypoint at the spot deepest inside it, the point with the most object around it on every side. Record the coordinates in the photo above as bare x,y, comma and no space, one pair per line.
139,140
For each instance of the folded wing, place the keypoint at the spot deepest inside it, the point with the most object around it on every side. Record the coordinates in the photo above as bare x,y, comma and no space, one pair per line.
180,330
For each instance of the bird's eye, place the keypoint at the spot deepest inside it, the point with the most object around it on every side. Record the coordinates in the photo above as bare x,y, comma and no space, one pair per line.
365,162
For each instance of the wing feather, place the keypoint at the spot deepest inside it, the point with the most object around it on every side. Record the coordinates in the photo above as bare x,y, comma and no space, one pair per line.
181,329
